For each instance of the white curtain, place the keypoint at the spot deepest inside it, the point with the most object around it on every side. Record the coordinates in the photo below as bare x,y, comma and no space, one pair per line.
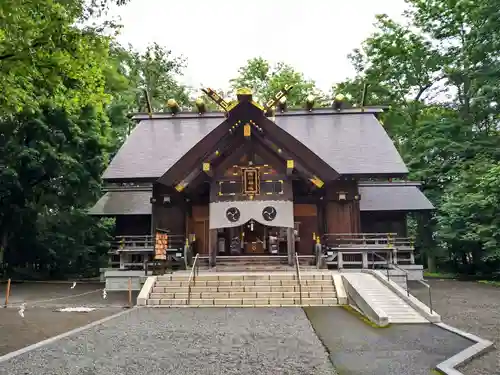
251,210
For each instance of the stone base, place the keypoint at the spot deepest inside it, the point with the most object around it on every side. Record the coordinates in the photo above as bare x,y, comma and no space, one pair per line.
117,280
415,271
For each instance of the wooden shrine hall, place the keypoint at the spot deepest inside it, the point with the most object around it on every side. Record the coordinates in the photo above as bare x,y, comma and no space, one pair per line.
260,180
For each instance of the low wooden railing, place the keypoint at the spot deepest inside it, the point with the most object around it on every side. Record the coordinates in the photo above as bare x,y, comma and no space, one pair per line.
366,240
358,239
299,279
192,277
134,242
145,242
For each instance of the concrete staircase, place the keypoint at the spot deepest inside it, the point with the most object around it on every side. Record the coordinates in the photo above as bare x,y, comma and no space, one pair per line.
256,263
259,289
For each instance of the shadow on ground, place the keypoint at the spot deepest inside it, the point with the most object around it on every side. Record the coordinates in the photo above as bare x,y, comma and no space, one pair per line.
358,349
41,320
61,295
472,307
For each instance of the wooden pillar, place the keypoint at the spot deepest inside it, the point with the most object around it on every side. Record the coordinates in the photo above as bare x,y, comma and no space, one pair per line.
290,242
212,247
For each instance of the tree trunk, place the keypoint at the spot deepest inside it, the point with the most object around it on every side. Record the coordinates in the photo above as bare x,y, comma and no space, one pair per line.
3,246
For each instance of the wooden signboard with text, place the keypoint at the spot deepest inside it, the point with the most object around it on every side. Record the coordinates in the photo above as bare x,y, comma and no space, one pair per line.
161,245
251,181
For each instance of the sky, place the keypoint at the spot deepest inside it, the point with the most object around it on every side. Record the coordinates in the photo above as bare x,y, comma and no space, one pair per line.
219,36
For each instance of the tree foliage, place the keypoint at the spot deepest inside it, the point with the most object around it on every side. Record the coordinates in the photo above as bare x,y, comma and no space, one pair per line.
440,74
68,88
265,81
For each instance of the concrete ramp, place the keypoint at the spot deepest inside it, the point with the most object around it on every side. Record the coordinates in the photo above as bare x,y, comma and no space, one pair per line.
378,302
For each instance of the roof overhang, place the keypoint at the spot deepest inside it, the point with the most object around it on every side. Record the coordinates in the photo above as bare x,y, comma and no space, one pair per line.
116,203
393,196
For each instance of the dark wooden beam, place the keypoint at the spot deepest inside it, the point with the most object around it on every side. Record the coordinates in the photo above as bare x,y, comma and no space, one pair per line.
207,168
283,139
285,155
290,166
198,153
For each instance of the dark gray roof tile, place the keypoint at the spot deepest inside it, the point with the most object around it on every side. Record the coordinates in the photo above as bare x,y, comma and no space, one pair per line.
123,203
350,143
393,197
156,145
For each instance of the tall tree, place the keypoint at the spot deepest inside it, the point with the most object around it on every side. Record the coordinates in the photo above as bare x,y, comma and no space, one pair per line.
266,80
54,135
439,73
131,73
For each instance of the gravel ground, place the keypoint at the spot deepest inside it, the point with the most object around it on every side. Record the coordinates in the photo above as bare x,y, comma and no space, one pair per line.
40,324
185,341
401,349
472,307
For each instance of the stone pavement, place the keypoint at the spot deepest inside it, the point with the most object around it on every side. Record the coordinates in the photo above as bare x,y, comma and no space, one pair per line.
403,349
473,308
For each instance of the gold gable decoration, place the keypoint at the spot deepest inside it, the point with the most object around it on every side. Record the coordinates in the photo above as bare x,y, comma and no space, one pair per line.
161,245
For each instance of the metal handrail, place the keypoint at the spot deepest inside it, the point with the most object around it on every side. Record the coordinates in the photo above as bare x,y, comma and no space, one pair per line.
406,277
192,277
299,279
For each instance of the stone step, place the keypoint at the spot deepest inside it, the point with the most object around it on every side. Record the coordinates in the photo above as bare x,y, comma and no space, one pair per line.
244,302
255,277
240,283
288,288
242,295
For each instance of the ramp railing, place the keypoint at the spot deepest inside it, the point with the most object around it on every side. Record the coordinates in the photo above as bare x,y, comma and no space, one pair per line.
192,277
405,272
299,279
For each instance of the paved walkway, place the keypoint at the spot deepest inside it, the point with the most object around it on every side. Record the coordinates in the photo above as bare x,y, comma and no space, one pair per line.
404,349
472,307
185,341
382,298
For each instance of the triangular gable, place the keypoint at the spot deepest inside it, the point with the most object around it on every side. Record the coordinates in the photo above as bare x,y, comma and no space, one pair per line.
298,150
219,140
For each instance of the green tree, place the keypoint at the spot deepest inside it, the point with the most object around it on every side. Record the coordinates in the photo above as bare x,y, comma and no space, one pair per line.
54,135
439,74
266,80
131,73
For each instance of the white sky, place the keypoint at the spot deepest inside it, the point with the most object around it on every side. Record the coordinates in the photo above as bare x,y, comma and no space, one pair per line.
219,36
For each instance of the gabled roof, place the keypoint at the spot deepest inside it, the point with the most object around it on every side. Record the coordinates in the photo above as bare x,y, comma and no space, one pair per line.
392,196
349,142
354,143
123,203
154,146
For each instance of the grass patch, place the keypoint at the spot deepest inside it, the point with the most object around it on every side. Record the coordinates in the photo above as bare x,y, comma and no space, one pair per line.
439,275
489,282
362,317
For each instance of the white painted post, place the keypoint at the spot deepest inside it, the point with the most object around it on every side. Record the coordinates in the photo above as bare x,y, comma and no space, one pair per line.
364,255
122,261
340,263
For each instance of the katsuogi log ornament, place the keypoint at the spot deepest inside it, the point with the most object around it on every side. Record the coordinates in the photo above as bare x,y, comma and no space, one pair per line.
172,106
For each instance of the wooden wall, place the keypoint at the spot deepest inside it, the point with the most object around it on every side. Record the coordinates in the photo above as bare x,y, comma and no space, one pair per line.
133,225
198,224
342,216
384,222
169,216
307,217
